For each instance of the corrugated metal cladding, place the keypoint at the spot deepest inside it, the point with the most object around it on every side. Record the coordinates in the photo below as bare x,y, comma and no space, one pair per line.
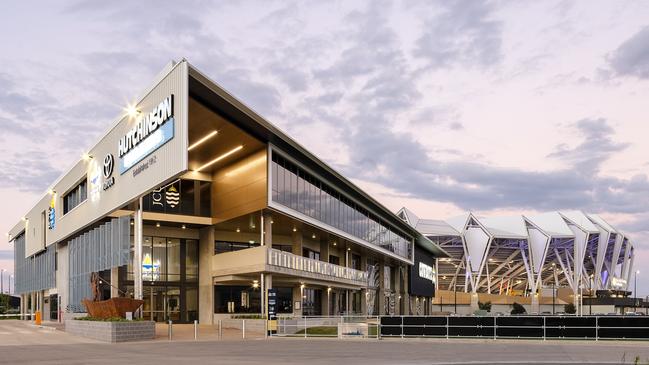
159,166
102,248
35,272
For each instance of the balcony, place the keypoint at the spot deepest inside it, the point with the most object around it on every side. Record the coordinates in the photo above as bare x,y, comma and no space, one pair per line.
266,259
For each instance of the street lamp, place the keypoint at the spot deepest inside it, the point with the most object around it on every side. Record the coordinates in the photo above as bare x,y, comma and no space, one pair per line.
10,277
635,290
2,288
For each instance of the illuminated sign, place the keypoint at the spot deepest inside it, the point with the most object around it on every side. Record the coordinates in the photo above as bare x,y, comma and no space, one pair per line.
150,268
150,132
172,196
426,272
109,164
618,283
51,213
94,179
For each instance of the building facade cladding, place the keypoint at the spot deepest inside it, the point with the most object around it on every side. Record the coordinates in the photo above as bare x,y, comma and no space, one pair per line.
102,248
295,188
36,272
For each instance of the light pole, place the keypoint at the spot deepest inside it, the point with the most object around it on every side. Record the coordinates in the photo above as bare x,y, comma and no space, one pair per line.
590,295
2,288
10,277
635,290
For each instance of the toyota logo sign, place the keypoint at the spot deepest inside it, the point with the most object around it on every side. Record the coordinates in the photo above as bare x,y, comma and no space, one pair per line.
109,162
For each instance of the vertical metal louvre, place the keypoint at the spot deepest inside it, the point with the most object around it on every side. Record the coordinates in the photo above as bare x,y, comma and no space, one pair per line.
102,248
36,272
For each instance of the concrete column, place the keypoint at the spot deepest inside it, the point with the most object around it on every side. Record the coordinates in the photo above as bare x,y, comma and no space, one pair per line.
405,297
137,255
297,242
535,307
205,284
474,302
297,297
326,299
114,282
364,294
324,249
381,292
268,230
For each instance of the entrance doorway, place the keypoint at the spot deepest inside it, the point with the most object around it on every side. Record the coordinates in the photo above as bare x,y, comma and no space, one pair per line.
161,303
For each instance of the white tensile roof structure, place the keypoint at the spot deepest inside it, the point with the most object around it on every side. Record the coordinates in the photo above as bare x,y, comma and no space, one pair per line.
523,253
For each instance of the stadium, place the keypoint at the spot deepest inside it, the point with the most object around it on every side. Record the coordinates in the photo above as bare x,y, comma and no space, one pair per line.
537,260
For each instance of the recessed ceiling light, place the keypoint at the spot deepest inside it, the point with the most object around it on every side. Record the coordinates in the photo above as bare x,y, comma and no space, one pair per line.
202,140
219,158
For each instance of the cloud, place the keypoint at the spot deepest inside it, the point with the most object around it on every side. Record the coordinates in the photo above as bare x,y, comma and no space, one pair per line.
631,58
27,171
596,147
461,32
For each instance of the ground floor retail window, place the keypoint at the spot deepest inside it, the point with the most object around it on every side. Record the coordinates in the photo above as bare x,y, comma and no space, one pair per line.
311,302
163,302
237,299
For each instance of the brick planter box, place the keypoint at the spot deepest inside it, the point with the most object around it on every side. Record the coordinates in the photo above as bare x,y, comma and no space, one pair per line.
112,331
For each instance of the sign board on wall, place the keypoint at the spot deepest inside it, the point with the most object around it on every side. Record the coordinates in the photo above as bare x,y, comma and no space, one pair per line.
422,274
145,160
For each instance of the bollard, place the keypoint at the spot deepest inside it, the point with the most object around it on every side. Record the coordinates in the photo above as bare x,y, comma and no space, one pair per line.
243,327
195,329
37,319
220,330
170,330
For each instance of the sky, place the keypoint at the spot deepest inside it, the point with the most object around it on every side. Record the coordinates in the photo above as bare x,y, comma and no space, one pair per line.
498,107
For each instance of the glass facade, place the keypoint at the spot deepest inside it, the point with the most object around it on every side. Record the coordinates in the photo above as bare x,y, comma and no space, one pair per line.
170,278
294,188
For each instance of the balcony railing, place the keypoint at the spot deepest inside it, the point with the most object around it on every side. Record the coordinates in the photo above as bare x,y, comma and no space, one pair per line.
295,262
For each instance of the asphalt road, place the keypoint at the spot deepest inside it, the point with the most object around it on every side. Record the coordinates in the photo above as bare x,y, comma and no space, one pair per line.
21,343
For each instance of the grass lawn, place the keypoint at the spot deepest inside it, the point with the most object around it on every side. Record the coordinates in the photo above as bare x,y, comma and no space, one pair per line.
332,331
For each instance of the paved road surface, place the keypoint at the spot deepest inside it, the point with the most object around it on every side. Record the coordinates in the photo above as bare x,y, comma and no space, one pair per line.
21,343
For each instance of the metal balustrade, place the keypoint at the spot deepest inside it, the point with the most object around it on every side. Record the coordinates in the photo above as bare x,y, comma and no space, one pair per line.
295,262
539,327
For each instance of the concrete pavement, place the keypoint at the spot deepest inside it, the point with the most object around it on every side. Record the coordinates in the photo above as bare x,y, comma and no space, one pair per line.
21,343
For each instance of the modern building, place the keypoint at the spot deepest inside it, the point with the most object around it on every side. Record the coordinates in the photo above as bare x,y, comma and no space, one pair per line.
196,204
531,256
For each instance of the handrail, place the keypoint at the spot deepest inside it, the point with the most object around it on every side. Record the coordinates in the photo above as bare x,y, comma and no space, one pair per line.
295,262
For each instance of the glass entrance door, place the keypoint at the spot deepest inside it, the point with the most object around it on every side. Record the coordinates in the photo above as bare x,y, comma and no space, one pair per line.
161,303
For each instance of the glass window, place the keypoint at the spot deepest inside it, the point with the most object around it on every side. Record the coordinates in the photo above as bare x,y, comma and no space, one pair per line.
173,259
298,190
159,259
205,198
236,299
191,260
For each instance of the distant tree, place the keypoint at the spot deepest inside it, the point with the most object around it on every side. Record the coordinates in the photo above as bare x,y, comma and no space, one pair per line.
4,303
486,306
570,308
518,309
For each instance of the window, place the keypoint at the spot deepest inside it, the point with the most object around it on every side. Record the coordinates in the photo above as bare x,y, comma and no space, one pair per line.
311,254
236,299
297,189
334,260
76,196
222,246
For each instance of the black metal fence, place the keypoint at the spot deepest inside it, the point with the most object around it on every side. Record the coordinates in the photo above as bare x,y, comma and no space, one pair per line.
540,327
